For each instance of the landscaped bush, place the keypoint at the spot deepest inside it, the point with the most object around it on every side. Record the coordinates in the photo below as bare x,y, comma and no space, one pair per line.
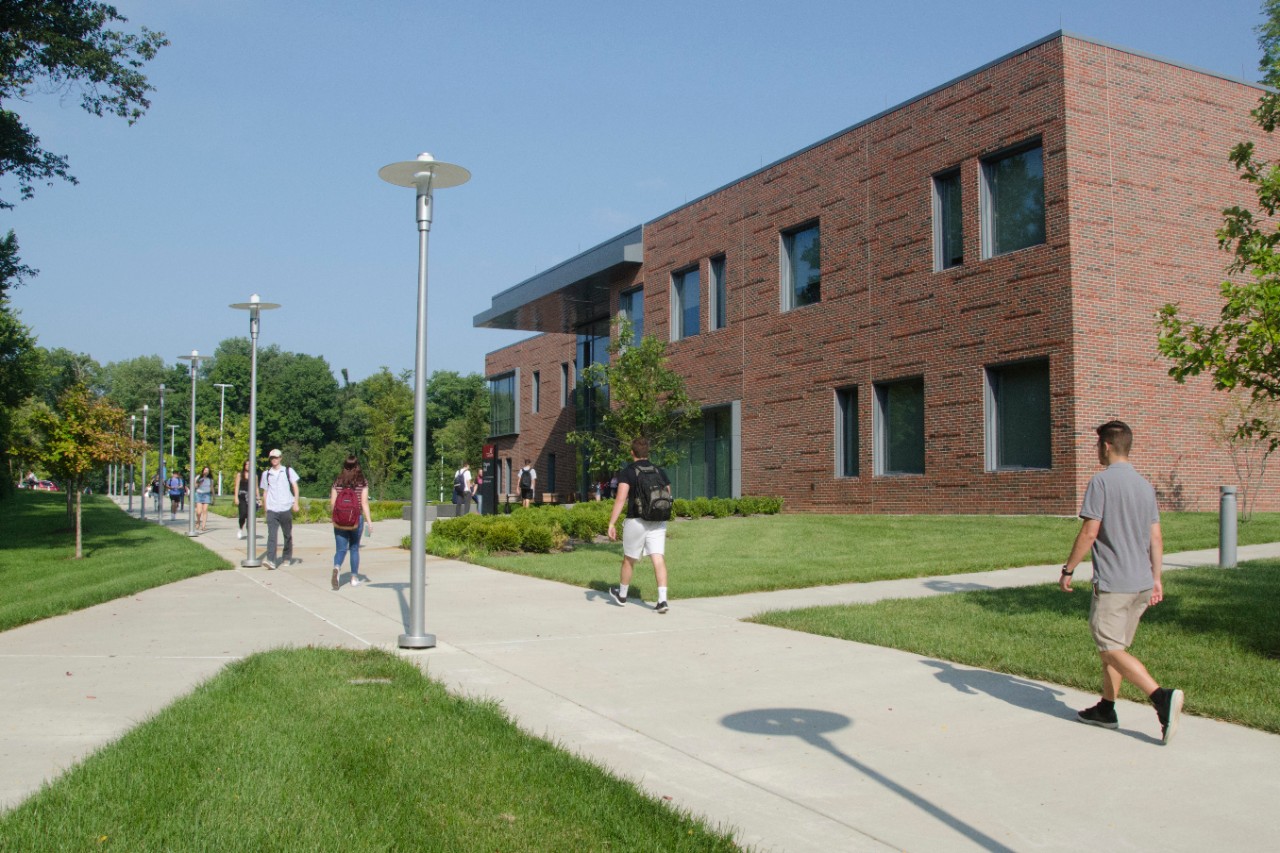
543,529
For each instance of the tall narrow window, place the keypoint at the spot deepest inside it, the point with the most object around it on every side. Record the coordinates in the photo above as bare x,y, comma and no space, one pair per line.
847,432
899,440
502,405
564,384
536,402
948,232
1018,419
551,472
1013,200
631,307
801,267
717,291
686,303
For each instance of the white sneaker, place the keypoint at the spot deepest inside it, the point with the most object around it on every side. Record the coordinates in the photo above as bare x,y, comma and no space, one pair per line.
239,534
355,579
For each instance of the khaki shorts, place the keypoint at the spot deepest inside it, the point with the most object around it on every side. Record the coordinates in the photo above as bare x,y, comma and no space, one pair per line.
640,537
1113,618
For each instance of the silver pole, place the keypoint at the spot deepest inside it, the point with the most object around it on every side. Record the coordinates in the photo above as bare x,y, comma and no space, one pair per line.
254,306
164,471
133,436
142,510
195,358
1227,528
222,415
423,175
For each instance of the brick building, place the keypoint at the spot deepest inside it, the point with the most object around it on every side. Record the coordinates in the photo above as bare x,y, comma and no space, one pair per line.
928,311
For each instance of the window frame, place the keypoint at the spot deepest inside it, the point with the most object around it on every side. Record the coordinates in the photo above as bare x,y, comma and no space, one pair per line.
535,392
787,264
881,459
941,218
679,287
848,464
992,422
513,377
717,316
626,307
986,197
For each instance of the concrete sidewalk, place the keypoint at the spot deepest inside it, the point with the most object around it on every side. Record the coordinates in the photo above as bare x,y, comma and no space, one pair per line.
798,742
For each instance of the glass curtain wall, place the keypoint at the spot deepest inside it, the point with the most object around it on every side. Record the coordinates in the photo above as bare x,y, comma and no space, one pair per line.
705,452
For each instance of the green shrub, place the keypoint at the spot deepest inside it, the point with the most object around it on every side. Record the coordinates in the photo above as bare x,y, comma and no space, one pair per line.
540,540
722,507
680,508
502,534
698,507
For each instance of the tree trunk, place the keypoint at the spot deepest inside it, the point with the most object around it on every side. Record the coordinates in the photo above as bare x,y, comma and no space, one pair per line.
79,550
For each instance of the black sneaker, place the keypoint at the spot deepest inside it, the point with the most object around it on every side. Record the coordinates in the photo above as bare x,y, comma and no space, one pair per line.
617,596
1099,716
661,607
1169,712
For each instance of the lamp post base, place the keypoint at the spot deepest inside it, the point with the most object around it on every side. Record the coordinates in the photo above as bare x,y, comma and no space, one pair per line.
250,564
417,641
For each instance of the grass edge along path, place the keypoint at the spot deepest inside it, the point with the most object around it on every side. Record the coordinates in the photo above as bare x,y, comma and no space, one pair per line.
1215,636
333,749
729,556
122,556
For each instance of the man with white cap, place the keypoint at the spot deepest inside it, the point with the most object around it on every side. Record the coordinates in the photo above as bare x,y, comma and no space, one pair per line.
278,494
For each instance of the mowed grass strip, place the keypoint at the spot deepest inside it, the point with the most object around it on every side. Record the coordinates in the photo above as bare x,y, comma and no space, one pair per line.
1215,636
40,577
727,556
328,749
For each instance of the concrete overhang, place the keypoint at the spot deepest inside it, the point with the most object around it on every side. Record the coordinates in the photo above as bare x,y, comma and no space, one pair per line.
569,294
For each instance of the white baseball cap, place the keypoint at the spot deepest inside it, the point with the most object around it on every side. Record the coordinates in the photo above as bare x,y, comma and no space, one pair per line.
274,454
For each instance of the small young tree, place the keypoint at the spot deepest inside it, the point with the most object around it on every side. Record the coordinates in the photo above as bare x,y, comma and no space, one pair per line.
647,399
77,438
1248,452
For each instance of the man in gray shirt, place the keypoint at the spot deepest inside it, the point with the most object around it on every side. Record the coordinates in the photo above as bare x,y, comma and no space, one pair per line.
1122,530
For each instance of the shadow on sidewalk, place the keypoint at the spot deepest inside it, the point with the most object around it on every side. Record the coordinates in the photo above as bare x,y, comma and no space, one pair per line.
810,726
401,589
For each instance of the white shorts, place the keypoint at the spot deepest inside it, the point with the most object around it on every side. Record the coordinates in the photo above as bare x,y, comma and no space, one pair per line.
640,537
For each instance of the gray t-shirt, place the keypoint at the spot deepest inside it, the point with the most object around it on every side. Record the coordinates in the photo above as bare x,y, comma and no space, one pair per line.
1126,504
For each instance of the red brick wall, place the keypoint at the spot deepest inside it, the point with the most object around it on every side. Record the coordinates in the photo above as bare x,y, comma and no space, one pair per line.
1135,180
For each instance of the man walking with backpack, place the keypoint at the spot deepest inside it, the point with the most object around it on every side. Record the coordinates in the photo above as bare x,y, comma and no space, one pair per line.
645,493
528,482
279,496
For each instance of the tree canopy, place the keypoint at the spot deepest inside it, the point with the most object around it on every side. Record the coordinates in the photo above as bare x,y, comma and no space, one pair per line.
1242,349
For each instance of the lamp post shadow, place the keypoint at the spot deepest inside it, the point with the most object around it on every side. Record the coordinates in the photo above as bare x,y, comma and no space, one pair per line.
401,589
812,726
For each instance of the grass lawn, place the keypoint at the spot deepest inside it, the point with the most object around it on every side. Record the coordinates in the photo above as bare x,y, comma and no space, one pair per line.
326,749
734,555
1215,635
122,555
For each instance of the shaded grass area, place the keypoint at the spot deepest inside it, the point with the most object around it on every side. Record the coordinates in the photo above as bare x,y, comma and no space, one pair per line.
327,749
1215,636
727,556
122,555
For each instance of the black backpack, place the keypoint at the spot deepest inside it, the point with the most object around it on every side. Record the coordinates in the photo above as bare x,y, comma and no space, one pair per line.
526,478
652,498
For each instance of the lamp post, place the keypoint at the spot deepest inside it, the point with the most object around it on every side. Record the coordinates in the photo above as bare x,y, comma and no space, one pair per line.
164,471
222,414
255,307
142,510
424,175
195,358
133,436
173,446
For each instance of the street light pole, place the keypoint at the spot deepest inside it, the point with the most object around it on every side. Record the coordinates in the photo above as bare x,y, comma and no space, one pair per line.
195,358
142,510
255,307
164,470
423,174
173,445
222,413
133,436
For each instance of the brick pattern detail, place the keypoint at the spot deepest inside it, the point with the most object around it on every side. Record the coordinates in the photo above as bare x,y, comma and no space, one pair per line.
1136,178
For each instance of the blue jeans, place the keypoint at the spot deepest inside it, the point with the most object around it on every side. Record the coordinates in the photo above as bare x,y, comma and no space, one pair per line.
348,540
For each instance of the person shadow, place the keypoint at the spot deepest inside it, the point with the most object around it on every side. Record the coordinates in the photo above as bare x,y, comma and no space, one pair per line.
811,726
1019,692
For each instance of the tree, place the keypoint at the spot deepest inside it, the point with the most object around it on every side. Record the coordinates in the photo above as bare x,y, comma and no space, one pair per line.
646,399
1242,349
388,407
1249,454
58,47
84,433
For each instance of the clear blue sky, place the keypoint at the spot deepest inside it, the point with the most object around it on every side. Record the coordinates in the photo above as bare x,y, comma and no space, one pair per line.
256,168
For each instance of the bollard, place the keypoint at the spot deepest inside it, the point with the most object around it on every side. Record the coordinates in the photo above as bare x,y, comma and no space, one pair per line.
1227,528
